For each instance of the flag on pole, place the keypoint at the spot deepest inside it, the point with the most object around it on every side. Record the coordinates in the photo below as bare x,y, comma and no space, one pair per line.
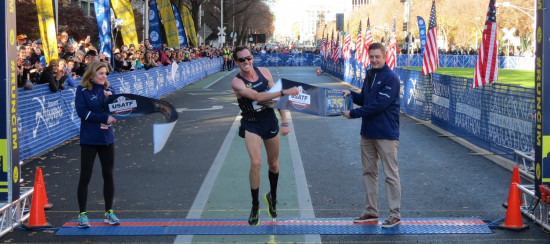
346,50
358,45
487,60
366,43
324,47
337,51
430,60
392,48
332,44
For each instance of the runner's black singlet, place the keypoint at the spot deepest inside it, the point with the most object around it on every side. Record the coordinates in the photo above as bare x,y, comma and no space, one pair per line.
250,110
257,119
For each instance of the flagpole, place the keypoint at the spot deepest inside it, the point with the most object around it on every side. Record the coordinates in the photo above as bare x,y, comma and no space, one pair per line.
146,34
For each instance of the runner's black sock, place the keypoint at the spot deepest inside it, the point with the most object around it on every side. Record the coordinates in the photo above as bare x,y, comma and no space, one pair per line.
273,179
255,201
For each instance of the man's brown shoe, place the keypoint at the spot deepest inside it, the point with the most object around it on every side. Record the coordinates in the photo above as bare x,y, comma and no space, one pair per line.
391,222
365,218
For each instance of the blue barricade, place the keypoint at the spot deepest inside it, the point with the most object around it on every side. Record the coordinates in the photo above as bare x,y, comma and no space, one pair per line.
47,119
467,61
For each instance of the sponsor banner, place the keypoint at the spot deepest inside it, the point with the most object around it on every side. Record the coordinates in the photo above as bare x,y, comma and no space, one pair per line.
46,23
182,38
9,132
189,25
542,81
47,119
422,31
123,10
103,17
169,22
289,59
155,36
311,99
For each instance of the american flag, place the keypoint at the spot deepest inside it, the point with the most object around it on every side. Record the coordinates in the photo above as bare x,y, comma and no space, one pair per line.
324,47
332,45
487,61
346,50
358,46
366,43
337,51
431,57
392,48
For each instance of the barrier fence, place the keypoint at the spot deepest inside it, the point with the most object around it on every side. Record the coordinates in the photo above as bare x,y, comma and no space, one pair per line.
497,117
47,119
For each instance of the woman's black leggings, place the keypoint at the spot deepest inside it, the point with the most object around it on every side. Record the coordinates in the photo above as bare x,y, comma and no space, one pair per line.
107,158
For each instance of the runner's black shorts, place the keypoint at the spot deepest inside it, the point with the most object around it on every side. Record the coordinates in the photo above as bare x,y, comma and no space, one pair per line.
266,128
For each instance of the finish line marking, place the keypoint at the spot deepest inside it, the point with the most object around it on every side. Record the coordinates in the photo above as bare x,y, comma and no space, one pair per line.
324,226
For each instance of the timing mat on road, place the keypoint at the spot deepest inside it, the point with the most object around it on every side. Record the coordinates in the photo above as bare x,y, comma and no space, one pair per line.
322,226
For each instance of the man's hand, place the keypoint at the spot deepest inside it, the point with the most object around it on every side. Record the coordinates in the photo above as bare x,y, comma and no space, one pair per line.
346,114
346,92
285,130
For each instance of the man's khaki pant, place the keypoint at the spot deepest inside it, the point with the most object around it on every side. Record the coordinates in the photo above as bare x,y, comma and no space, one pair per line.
373,149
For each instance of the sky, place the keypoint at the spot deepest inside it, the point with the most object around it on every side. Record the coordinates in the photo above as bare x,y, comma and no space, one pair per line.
287,12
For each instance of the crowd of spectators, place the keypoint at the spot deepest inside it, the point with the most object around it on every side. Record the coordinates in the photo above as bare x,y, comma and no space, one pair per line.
73,58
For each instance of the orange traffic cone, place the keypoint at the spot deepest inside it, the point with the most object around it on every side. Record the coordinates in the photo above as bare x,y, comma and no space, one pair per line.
513,219
318,72
516,179
40,179
37,218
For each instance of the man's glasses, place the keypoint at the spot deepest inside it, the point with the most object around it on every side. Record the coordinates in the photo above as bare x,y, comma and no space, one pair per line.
241,60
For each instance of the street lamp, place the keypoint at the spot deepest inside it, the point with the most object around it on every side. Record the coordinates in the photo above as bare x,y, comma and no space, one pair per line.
509,5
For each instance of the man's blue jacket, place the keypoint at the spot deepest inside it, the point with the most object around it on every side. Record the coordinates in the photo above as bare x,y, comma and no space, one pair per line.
379,105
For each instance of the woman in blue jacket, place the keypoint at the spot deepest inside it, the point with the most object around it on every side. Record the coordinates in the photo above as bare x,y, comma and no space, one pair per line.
96,138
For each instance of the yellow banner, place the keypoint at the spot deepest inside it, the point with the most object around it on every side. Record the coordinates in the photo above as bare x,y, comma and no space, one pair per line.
189,25
169,22
123,10
46,23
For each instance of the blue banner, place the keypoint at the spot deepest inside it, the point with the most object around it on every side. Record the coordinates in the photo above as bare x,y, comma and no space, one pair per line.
181,31
422,31
155,36
103,17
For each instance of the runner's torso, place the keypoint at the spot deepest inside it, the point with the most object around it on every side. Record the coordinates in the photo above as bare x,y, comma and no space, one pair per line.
250,110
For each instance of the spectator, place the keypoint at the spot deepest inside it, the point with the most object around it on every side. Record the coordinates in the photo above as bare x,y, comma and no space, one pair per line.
120,64
69,51
64,70
21,39
64,38
149,61
51,76
27,76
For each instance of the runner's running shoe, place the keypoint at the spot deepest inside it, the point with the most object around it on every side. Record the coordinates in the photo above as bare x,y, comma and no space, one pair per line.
271,205
83,220
110,218
254,218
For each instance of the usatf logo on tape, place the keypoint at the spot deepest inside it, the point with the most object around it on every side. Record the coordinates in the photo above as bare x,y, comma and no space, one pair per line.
122,105
300,101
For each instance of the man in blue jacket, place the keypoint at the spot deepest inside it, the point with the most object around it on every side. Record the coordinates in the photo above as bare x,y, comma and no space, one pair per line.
379,101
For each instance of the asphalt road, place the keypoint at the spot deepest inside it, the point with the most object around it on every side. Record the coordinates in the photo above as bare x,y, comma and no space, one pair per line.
438,176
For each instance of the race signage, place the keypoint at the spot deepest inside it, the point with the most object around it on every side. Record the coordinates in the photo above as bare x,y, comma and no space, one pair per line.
9,138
